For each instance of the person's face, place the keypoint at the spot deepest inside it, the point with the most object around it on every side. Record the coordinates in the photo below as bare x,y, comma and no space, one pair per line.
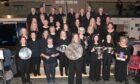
33,35
45,22
60,10
101,10
96,38
42,17
88,14
71,10
50,41
123,42
51,18
65,27
34,21
63,34
77,22
98,19
108,19
42,10
76,38
33,10
23,40
45,34
89,8
77,15
108,37
82,11
52,29
24,32
57,24
110,26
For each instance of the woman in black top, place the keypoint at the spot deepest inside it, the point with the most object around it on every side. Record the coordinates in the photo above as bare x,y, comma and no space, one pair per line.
112,31
107,57
95,59
62,44
122,55
34,45
49,55
24,63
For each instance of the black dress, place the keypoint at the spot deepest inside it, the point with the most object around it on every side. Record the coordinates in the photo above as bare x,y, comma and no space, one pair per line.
35,59
24,68
95,63
107,60
121,66
62,57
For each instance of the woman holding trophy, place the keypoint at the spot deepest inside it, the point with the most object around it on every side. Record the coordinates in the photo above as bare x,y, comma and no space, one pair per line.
107,57
122,54
95,58
24,54
63,42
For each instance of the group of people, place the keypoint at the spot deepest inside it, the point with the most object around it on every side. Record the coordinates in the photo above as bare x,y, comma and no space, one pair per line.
76,39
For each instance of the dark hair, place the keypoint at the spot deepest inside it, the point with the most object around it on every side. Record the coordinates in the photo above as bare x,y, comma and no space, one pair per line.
94,37
112,42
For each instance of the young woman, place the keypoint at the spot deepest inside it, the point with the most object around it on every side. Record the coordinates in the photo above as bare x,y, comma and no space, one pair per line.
34,45
112,31
95,59
49,55
107,57
62,44
122,54
24,60
74,53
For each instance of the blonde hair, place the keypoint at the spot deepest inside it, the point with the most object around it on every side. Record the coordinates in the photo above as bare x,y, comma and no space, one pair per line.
81,29
123,38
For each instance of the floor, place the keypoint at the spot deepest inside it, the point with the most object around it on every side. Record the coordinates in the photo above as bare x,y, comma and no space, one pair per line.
64,81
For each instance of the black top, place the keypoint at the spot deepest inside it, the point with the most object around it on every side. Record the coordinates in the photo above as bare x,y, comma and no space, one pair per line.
35,47
49,51
125,50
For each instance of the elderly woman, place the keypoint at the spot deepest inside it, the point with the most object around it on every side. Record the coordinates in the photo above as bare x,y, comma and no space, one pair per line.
122,54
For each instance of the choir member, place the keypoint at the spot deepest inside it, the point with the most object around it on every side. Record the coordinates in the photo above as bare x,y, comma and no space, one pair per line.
122,56
93,24
107,57
87,19
45,25
30,16
82,17
100,28
49,55
66,29
58,28
42,11
40,23
102,15
95,59
51,21
74,53
76,26
53,13
81,33
53,34
112,31
92,13
71,17
34,45
60,15
24,63
63,42
23,32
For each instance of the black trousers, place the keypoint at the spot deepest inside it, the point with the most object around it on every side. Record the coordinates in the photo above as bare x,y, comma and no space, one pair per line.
75,67
107,61
25,70
95,69
63,64
120,70
35,63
